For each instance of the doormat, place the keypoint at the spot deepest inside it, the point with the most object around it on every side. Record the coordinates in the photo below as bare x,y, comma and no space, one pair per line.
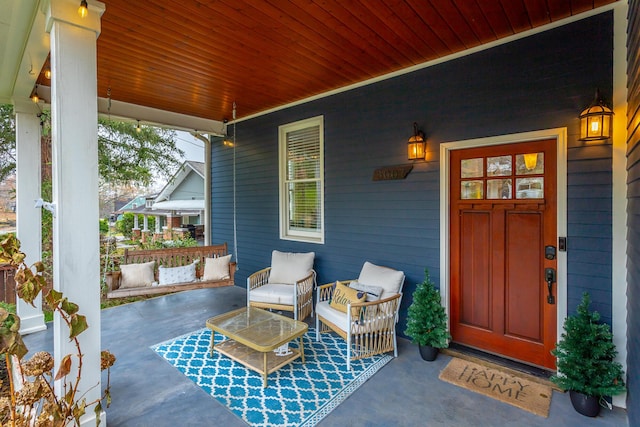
505,387
299,394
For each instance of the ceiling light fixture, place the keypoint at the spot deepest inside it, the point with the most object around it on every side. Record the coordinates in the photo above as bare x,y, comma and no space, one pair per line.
47,74
35,98
530,161
83,10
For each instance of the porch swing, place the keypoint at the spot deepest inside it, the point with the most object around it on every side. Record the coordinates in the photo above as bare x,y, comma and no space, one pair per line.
160,271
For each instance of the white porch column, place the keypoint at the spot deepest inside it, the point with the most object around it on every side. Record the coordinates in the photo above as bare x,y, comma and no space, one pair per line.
76,248
145,223
619,206
158,221
136,226
28,218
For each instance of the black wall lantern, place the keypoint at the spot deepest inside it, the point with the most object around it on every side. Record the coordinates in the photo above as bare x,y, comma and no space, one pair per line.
416,144
595,121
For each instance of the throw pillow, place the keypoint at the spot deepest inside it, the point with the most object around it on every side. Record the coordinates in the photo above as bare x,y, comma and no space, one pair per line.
391,280
173,275
373,292
342,295
137,275
216,268
288,267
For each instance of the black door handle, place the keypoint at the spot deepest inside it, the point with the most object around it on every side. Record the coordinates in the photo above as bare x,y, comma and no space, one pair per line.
550,278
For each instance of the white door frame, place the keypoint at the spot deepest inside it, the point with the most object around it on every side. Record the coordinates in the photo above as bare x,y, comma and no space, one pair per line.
560,135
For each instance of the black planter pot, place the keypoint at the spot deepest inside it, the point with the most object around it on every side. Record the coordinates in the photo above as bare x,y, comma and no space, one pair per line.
428,353
585,405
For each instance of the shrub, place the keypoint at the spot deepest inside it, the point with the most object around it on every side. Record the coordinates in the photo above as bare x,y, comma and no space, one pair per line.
586,355
426,319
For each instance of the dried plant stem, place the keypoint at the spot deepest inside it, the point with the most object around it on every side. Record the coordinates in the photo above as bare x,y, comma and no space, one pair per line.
11,388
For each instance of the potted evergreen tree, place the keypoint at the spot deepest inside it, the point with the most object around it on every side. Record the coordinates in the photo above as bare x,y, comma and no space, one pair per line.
427,320
586,365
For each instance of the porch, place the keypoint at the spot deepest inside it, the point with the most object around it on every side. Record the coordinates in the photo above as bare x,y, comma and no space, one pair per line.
148,391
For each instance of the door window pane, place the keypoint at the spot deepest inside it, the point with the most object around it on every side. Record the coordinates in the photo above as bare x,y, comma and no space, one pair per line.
530,188
499,166
499,189
471,168
471,190
530,164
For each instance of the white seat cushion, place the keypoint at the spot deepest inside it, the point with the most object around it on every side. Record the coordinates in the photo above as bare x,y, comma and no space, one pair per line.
289,267
389,279
332,315
273,293
338,318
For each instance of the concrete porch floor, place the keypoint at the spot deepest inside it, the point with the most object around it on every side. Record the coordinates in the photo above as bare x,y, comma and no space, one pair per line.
147,391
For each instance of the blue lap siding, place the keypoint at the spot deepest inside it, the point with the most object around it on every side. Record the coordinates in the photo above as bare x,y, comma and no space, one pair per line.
539,82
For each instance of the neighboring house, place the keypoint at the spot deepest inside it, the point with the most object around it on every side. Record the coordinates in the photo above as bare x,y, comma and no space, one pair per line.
179,206
304,179
137,204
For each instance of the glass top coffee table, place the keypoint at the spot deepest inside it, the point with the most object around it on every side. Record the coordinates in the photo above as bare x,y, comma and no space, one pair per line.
252,335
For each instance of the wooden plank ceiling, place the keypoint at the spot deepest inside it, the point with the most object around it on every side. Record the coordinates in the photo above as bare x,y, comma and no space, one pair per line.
197,57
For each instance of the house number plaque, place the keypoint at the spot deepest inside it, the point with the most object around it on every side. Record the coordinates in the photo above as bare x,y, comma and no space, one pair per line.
388,173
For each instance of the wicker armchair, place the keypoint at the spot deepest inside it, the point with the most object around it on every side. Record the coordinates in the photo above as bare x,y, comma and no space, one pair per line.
287,285
369,327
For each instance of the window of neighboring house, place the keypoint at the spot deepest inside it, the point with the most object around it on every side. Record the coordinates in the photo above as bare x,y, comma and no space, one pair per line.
301,153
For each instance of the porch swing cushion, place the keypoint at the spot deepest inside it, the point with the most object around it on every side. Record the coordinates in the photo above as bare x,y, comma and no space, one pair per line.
137,275
216,268
173,275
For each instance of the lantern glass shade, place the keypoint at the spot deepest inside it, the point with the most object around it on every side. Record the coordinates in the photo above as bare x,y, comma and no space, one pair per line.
595,122
415,148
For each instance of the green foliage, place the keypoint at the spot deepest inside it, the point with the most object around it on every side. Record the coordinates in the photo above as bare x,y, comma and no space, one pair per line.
186,242
586,355
124,155
129,156
7,141
104,226
11,308
125,225
427,320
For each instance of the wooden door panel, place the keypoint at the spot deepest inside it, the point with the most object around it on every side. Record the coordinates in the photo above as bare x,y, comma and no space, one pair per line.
498,294
475,288
523,314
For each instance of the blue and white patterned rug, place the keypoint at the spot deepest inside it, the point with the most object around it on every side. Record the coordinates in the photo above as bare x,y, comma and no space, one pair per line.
298,394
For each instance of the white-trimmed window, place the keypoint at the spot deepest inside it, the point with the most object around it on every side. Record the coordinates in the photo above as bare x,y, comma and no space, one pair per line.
301,153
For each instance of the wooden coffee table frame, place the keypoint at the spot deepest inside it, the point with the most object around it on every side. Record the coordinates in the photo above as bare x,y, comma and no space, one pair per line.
252,335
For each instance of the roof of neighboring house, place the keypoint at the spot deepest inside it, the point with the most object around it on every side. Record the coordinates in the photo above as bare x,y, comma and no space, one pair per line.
136,204
163,204
187,168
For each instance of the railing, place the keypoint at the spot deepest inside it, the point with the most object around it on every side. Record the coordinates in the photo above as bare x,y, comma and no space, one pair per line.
7,284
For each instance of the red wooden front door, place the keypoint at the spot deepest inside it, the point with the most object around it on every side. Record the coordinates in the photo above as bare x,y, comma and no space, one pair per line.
503,214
